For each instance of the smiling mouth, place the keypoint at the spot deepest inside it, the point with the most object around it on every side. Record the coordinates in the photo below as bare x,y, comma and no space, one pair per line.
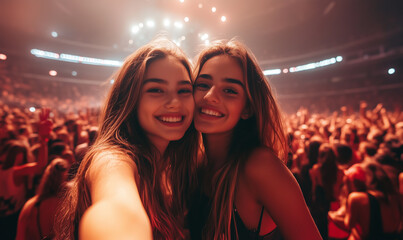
211,112
171,119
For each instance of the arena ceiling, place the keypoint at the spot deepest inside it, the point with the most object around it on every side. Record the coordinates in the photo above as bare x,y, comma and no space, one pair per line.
277,31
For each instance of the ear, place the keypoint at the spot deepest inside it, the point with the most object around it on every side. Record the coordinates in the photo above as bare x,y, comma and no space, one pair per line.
246,113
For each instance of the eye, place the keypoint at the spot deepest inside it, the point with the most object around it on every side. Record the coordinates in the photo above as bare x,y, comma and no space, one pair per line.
202,86
185,91
155,90
230,91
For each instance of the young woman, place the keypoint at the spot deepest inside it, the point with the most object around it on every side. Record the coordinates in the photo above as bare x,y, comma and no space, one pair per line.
327,180
130,183
376,213
251,192
38,214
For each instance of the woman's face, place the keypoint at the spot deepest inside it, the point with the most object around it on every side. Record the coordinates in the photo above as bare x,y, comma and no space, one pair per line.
219,95
166,104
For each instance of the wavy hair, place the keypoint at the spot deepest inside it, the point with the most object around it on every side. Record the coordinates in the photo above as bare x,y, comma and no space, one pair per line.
53,179
121,134
263,128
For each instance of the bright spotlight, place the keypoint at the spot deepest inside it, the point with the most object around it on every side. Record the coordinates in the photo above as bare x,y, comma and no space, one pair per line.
186,19
178,25
74,73
54,34
391,71
52,73
213,9
339,58
112,81
204,37
32,109
285,70
135,29
3,56
206,42
223,18
166,22
150,23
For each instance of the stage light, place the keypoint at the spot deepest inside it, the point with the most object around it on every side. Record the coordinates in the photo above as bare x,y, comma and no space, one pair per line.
206,42
213,9
339,58
74,73
150,23
135,29
54,34
186,19
204,37
391,71
131,41
112,81
285,70
181,1
3,56
178,25
223,18
52,73
166,22
200,5
32,109
272,72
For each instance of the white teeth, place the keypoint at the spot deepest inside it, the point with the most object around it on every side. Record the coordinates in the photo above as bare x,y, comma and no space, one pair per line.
211,112
170,119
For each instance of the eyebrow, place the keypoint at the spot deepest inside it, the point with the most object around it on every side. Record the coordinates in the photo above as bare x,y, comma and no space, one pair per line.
230,80
162,81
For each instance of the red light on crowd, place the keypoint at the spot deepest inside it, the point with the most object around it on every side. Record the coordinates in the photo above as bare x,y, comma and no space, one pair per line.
3,56
52,73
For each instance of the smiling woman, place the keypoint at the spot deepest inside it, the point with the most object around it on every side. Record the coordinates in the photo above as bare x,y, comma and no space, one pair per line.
131,183
245,190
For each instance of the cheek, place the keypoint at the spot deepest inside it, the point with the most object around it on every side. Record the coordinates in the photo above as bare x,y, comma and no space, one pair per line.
198,96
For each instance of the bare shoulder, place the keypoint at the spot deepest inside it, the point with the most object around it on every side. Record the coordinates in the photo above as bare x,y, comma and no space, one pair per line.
263,163
358,198
265,172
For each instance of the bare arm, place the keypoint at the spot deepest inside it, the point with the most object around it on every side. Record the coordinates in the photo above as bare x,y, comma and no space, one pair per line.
117,211
275,187
23,219
37,168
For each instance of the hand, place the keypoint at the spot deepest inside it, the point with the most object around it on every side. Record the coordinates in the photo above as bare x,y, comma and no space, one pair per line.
45,125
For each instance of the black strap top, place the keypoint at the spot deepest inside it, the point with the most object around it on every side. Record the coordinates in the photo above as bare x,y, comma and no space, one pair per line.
375,221
241,232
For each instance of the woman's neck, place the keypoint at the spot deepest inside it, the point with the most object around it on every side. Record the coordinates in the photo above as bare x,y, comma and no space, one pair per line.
217,147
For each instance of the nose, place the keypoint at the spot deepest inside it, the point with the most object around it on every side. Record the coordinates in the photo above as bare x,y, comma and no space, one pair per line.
172,102
211,95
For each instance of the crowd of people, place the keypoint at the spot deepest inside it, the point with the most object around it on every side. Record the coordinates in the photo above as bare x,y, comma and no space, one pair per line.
240,178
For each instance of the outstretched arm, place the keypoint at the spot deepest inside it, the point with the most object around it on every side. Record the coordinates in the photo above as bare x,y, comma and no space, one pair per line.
275,187
117,211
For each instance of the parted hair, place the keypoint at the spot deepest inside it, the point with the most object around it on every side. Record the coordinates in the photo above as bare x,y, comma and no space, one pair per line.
264,127
121,134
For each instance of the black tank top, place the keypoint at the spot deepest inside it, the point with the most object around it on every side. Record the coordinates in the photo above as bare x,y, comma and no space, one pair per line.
241,232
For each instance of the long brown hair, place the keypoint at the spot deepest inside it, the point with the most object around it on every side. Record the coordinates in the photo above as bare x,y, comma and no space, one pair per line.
263,128
121,133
